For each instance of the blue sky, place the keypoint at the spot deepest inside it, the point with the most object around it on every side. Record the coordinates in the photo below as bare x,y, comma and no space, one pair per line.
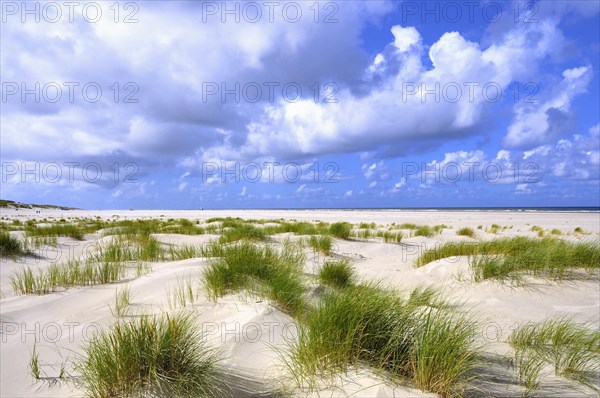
185,105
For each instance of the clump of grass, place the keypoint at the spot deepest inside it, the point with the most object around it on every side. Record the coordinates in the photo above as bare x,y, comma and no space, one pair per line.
487,267
148,249
156,356
34,364
555,259
240,231
122,301
438,228
425,296
66,275
364,234
536,228
276,274
184,252
392,237
337,273
25,282
370,326
466,231
449,249
321,243
183,293
9,245
341,230
38,242
546,257
298,228
140,247
572,349
66,230
184,227
442,355
529,368
426,230
579,230
556,231
408,225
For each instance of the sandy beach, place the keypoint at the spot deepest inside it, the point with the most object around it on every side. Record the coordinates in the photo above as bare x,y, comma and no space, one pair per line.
253,334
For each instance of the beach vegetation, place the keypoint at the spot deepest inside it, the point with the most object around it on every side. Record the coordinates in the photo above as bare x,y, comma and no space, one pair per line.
367,325
337,273
265,270
151,356
466,231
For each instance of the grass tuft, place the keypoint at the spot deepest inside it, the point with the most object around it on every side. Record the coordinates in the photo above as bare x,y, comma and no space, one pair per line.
276,274
337,273
183,293
9,245
424,230
156,356
340,230
366,325
504,258
34,364
529,368
238,231
466,231
441,356
391,237
572,349
122,301
320,243
66,230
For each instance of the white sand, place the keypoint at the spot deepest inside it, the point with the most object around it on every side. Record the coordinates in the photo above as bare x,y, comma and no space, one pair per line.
253,334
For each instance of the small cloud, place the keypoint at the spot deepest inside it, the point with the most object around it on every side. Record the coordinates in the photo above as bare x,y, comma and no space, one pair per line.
375,171
522,188
400,183
184,175
348,194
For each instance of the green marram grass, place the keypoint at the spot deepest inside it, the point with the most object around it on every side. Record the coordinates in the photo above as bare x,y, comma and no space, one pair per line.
341,230
150,356
509,257
366,325
274,273
108,263
572,349
321,243
62,276
122,301
466,231
9,245
67,230
529,369
390,237
241,231
427,230
337,273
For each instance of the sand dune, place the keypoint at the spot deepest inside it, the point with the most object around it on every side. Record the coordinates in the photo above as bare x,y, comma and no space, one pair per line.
253,334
